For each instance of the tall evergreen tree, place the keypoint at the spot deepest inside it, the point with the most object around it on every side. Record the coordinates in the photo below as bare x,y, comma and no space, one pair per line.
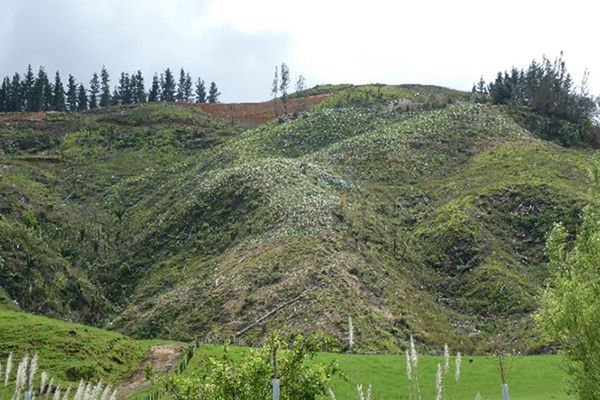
28,89
275,90
4,90
115,98
105,99
168,86
213,93
181,86
200,91
82,99
188,88
154,94
72,93
42,92
124,89
58,98
16,94
94,91
139,89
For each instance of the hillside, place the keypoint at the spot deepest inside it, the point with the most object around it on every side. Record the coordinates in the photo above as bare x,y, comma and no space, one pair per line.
161,221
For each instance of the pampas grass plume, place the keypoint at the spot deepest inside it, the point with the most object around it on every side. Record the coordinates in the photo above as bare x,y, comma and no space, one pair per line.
457,366
9,363
32,370
446,359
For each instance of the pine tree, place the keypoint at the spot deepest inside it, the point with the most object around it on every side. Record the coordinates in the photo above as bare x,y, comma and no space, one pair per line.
283,86
200,91
300,86
42,92
72,93
105,99
16,94
168,86
139,89
188,88
213,93
4,90
115,98
82,99
154,94
94,91
181,86
28,89
58,97
124,89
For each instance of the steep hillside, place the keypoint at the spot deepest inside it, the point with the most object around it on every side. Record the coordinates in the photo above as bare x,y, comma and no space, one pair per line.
165,222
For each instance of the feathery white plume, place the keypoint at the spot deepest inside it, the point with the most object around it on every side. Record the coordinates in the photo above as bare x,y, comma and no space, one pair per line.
56,394
446,359
359,390
97,390
478,397
79,392
350,333
67,394
369,393
414,358
9,363
438,383
408,366
331,394
105,393
43,382
21,380
47,391
114,395
32,370
457,367
87,392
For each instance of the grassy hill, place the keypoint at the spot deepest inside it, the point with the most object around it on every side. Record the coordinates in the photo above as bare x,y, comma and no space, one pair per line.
161,221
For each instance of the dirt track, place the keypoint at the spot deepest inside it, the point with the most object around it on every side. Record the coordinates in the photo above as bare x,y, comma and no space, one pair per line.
162,358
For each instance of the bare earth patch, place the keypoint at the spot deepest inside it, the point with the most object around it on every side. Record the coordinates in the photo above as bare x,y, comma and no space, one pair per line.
162,358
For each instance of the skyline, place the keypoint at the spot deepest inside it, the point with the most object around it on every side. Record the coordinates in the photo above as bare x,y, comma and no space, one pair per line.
237,44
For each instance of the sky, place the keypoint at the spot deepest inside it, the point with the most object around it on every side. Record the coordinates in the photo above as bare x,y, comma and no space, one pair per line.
238,43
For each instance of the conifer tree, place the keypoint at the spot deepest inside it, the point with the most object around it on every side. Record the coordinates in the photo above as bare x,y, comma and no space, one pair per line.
16,95
139,89
42,92
200,91
181,86
72,93
105,98
115,98
124,89
82,99
58,97
94,91
4,89
154,94
168,86
213,93
188,88
28,89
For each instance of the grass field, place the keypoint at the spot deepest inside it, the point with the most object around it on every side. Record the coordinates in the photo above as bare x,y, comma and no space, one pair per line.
528,377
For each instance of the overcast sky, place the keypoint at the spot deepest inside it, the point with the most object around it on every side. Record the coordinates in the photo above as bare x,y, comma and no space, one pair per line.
237,43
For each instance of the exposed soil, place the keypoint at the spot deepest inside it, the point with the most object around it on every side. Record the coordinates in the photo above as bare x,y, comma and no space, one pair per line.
162,358
257,113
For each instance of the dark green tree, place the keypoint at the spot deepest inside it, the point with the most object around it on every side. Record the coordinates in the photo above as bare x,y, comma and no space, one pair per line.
58,96
168,86
275,90
4,91
154,94
82,99
72,93
28,89
16,94
138,87
200,91
125,94
187,88
94,90
181,86
42,92
213,93
105,98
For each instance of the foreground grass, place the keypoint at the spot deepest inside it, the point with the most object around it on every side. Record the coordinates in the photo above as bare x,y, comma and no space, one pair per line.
528,377
68,352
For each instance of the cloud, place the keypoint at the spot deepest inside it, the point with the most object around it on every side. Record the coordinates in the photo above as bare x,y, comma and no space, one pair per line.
238,42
